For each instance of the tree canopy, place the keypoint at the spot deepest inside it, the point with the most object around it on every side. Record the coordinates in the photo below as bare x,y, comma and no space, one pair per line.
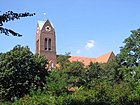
19,70
130,52
129,57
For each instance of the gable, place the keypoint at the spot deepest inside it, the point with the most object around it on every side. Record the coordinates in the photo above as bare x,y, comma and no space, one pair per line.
41,23
105,58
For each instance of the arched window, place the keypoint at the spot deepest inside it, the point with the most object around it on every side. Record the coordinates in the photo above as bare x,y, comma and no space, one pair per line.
49,44
45,44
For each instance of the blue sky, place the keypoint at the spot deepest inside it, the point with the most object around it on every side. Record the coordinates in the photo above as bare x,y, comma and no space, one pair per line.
83,27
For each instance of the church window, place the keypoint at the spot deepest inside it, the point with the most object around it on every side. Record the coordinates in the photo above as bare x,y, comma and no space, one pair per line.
49,44
45,44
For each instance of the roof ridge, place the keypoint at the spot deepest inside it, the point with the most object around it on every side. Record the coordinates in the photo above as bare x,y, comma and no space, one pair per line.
105,57
105,54
86,60
81,57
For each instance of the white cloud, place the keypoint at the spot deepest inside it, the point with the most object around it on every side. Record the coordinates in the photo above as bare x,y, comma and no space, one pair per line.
78,51
90,44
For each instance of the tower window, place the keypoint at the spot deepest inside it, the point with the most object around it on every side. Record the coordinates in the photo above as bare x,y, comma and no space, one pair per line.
45,44
49,44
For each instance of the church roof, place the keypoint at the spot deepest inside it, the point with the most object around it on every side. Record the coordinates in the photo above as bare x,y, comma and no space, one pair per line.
86,60
42,22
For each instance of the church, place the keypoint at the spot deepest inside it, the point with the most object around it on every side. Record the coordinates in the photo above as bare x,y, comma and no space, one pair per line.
46,46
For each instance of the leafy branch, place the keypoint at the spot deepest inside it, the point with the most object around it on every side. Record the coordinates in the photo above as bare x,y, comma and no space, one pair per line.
11,16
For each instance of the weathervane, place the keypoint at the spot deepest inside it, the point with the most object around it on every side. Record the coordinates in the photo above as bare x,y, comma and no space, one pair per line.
44,16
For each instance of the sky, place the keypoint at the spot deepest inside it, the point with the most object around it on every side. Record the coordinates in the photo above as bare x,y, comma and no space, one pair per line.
87,28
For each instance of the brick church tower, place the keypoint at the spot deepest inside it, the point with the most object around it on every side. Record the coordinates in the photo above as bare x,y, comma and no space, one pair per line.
45,41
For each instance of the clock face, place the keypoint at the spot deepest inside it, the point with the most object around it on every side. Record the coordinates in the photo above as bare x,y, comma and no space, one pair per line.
48,28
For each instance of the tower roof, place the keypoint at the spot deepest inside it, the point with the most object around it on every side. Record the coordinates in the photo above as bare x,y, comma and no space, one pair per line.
42,22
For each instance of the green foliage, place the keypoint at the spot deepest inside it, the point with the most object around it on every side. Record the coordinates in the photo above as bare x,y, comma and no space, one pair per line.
10,16
129,57
36,98
109,71
5,103
130,52
113,83
94,70
56,82
136,73
75,72
19,69
63,61
101,94
75,68
80,97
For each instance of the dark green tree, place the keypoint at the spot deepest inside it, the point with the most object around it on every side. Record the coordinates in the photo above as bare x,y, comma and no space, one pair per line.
76,68
76,72
93,72
56,82
129,57
10,16
19,70
112,71
130,53
62,61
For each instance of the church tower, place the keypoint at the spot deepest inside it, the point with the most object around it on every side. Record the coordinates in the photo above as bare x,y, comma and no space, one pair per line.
45,41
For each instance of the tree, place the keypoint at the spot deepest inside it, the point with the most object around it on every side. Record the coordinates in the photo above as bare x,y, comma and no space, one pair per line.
19,70
129,56
130,52
10,16
94,70
76,72
63,61
93,73
112,71
56,82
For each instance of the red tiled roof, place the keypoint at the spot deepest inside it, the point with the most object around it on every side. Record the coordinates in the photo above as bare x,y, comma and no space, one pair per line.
86,60
105,58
